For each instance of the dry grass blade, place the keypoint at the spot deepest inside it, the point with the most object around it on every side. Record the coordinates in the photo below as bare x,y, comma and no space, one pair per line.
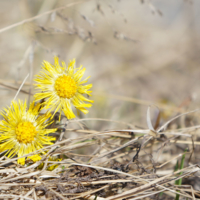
142,102
38,16
167,123
20,87
13,88
150,126
3,196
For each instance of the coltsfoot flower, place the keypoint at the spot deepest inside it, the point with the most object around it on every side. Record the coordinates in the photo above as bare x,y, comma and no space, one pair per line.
22,131
62,87
51,167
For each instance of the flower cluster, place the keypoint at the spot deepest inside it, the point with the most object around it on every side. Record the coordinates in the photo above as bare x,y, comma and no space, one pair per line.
24,130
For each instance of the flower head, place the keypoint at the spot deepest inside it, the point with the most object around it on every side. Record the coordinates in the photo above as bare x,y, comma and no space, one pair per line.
50,167
62,87
22,131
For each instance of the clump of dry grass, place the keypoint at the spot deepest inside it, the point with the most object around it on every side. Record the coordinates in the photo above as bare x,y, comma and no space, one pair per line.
121,164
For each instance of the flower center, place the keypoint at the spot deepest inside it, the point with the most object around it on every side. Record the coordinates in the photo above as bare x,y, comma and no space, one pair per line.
25,132
65,86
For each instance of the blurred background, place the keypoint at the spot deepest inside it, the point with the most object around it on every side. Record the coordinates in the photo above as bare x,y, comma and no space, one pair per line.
138,53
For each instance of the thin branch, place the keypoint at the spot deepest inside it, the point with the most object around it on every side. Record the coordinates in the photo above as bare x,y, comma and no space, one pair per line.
40,15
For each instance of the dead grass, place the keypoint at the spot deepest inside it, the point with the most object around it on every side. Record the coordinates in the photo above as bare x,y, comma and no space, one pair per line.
121,164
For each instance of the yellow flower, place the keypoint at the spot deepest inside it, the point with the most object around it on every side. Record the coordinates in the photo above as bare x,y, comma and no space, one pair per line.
61,86
51,167
22,131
